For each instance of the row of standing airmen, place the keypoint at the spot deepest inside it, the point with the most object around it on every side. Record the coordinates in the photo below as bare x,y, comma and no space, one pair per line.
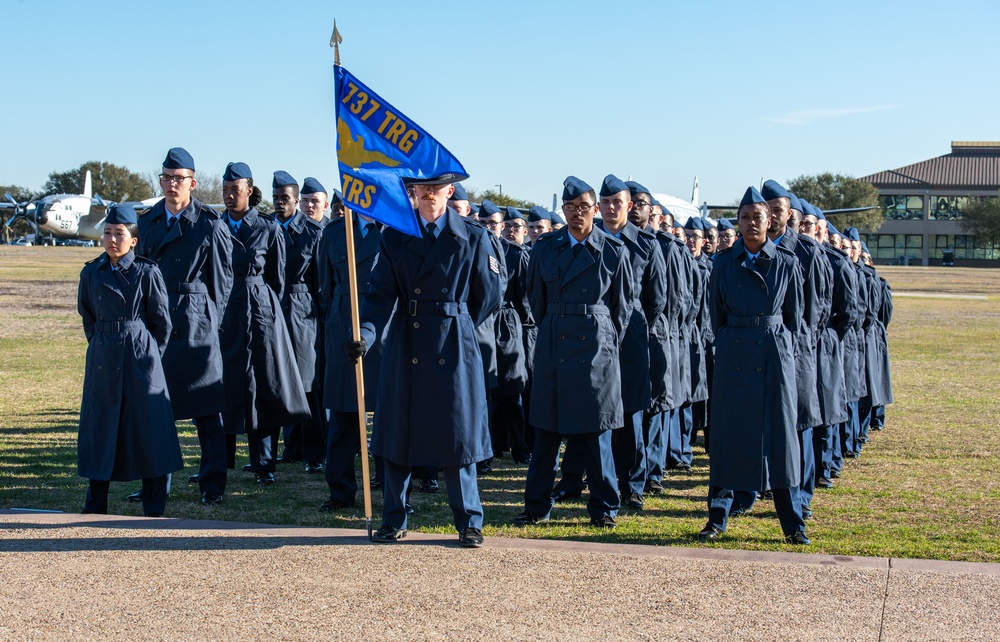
265,284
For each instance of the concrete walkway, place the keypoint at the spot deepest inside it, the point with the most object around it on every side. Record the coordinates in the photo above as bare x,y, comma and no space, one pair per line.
66,576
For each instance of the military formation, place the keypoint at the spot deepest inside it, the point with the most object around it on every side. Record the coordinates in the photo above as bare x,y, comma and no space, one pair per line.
592,349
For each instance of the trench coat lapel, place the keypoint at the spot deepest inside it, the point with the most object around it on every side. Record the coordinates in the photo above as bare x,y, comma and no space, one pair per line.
446,244
583,260
365,246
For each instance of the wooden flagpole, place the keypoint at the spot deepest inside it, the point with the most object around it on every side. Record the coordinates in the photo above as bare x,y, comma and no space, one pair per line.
352,279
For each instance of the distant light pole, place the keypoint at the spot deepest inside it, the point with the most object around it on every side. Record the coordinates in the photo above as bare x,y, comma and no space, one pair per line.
500,189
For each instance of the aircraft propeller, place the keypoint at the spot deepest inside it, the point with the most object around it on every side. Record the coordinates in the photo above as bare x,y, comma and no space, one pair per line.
20,211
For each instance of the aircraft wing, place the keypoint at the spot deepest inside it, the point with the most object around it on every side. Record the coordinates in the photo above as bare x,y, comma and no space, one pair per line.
845,210
98,212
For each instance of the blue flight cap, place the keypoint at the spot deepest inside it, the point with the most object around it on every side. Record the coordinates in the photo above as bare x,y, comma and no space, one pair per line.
474,207
573,187
512,214
864,247
852,233
538,213
831,230
556,218
460,193
236,171
488,208
178,158
724,224
818,212
448,178
123,214
695,223
773,190
312,186
655,202
336,197
283,179
752,196
612,185
796,203
636,188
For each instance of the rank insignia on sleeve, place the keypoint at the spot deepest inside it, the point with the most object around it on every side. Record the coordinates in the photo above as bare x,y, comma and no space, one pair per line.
494,265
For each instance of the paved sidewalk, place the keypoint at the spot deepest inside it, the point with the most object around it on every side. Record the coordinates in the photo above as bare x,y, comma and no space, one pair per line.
66,576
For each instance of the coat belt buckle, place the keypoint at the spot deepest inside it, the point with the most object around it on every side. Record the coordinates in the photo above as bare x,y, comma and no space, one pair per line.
413,308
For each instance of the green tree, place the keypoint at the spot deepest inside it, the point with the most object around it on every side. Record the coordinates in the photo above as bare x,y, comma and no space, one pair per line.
209,189
982,219
497,198
112,182
829,191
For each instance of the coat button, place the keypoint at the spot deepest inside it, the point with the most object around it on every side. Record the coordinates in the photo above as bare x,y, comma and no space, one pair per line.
562,336
583,289
737,369
100,367
100,298
121,318
562,289
416,324
561,360
444,290
737,342
583,338
416,290
739,285
758,369
414,361
759,342
440,362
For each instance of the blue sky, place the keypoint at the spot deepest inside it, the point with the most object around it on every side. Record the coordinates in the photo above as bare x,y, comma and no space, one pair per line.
523,93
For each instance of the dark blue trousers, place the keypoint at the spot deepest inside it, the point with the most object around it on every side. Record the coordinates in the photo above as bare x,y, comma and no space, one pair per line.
852,430
679,430
263,444
837,456
463,495
807,463
864,423
307,440
823,450
878,417
629,452
212,439
342,447
653,438
595,454
154,496
720,502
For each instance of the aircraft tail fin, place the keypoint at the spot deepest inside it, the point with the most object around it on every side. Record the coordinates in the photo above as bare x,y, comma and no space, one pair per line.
88,188
694,192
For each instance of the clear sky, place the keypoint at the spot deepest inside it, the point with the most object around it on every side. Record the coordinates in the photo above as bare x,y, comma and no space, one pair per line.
523,93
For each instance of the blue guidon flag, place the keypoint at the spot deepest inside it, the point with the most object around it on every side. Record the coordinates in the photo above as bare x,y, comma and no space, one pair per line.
377,147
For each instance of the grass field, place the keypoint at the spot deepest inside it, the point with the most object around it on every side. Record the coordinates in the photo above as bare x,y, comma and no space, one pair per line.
927,486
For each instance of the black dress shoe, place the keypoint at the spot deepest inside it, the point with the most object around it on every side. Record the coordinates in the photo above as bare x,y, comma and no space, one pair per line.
247,468
285,458
314,468
653,487
709,533
798,537
265,479
331,505
768,495
374,483
835,474
527,518
194,479
559,495
409,509
683,468
633,501
807,514
823,482
154,514
522,459
471,538
607,521
210,499
484,467
429,486
737,511
388,534
135,497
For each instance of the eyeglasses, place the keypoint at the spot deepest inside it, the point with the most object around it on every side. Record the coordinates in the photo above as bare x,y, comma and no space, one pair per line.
491,223
515,226
569,208
641,204
807,224
171,179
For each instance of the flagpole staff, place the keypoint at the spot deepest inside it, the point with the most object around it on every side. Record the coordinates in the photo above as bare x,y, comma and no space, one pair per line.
352,279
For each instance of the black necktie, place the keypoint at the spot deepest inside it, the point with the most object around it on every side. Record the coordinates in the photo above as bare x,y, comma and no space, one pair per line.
431,228
577,249
170,222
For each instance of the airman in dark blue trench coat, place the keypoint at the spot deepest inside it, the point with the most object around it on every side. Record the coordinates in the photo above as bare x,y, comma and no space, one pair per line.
581,301
431,408
127,429
756,311
263,387
340,382
194,257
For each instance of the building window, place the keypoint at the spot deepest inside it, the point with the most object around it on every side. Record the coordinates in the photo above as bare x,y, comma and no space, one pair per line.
948,208
902,207
914,241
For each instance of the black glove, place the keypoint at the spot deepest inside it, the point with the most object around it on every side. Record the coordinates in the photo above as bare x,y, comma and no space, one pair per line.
356,349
